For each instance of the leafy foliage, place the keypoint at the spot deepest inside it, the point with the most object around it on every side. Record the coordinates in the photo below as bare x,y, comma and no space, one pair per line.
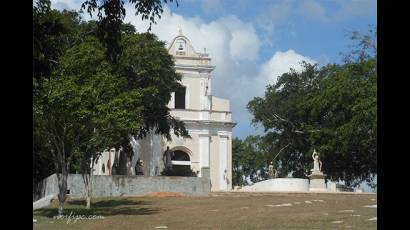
250,159
110,15
146,64
53,33
84,99
178,171
332,109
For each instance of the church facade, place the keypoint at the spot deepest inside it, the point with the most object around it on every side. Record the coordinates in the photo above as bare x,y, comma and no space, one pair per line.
208,119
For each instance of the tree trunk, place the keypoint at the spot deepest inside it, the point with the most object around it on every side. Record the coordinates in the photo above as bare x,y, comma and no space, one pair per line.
60,207
89,191
62,187
88,202
88,183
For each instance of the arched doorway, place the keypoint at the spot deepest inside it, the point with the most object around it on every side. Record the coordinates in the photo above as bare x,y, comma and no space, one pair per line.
181,162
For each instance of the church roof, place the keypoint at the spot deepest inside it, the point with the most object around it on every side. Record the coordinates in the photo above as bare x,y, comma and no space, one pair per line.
182,47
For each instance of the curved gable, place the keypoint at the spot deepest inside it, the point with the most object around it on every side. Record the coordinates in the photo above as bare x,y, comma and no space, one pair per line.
181,46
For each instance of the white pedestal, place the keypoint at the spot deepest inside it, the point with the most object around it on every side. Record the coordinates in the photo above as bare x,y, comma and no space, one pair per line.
317,181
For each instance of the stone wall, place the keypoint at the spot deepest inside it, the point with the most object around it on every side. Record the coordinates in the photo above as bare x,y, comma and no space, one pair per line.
129,185
279,185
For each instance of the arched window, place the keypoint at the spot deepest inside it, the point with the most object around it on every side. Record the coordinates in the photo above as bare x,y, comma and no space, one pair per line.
179,155
181,163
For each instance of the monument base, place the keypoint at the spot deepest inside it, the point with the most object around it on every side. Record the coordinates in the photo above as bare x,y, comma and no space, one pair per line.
279,185
317,181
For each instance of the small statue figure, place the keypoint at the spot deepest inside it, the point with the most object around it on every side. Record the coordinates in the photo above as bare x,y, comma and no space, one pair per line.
206,89
317,164
226,176
167,159
272,171
139,167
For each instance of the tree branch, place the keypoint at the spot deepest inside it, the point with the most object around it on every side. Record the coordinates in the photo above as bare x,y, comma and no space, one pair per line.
280,151
53,61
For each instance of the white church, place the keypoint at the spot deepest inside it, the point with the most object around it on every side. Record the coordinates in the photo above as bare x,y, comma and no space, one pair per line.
207,118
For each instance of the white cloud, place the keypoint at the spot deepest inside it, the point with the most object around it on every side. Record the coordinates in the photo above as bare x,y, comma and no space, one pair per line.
225,36
272,17
66,4
244,43
234,47
280,63
275,14
251,86
72,5
232,44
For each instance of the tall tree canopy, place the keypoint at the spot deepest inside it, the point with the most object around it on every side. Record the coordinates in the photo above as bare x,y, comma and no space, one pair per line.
83,102
53,33
249,160
332,109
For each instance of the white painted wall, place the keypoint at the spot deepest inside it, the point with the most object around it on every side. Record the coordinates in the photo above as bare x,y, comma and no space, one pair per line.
280,184
223,159
204,150
211,131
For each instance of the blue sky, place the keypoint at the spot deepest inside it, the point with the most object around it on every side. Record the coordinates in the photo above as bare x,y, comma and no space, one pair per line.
251,42
315,28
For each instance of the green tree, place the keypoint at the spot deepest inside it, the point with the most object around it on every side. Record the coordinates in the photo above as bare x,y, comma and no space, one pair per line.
111,14
53,33
82,109
348,103
237,152
250,159
42,160
332,109
83,103
146,64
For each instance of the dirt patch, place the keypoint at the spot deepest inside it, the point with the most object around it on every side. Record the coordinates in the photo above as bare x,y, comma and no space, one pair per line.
165,194
147,213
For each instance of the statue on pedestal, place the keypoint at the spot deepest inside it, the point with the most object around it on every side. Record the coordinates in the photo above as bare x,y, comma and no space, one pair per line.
317,164
317,177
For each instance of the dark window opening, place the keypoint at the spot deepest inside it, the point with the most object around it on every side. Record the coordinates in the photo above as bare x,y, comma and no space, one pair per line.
179,155
180,98
180,165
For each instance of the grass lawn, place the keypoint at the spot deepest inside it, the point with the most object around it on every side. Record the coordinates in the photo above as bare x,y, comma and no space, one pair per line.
219,211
